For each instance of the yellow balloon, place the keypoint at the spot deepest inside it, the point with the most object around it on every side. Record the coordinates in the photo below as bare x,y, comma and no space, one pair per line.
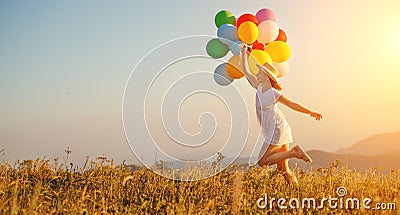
258,57
234,67
278,50
248,32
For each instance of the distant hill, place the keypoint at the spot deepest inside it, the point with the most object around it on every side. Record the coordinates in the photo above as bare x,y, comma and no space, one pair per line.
321,159
383,162
387,143
381,151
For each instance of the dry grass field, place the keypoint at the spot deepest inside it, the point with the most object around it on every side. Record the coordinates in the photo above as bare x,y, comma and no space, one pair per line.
49,187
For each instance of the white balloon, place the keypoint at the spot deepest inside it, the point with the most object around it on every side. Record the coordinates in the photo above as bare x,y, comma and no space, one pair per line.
283,68
268,31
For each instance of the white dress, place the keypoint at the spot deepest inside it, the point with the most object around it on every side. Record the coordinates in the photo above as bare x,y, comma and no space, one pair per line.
275,128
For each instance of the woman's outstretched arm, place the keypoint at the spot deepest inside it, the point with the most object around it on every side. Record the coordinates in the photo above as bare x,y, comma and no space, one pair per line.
297,107
245,68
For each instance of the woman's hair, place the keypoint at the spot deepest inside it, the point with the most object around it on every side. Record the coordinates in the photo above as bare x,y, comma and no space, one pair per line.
273,81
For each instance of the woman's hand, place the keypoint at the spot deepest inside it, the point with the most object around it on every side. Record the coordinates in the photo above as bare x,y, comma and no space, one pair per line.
316,115
243,50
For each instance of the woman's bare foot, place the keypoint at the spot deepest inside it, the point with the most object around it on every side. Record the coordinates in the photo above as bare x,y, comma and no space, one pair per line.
301,154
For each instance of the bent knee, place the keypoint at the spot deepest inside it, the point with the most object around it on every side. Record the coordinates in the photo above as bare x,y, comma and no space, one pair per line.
264,162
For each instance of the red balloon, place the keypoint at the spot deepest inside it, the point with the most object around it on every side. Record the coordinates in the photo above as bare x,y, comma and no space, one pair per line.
246,17
282,36
258,46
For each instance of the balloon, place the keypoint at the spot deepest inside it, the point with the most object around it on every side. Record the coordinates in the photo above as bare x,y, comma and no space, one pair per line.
282,68
268,31
278,50
227,33
258,46
265,14
220,75
258,57
282,36
224,17
216,49
236,46
234,67
246,18
248,32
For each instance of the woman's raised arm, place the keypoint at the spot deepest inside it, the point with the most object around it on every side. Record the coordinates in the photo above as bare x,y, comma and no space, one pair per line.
297,107
246,70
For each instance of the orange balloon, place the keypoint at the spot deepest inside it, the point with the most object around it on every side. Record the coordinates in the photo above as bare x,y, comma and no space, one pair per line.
234,67
282,36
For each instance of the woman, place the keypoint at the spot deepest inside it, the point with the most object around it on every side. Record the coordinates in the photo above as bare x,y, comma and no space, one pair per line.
275,149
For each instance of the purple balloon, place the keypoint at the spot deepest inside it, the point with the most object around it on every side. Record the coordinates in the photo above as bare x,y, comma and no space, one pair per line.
265,14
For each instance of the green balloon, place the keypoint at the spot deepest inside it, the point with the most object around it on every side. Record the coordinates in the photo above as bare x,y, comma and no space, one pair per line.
224,17
216,49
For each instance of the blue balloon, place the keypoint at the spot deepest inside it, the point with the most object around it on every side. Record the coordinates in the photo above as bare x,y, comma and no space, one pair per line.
235,48
220,75
227,33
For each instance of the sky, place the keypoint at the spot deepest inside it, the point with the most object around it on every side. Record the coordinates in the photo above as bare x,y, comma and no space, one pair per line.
64,67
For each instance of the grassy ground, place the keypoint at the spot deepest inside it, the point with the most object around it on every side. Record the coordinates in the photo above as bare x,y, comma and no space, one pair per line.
41,187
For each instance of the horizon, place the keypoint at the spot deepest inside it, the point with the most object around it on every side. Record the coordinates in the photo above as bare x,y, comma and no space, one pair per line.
234,159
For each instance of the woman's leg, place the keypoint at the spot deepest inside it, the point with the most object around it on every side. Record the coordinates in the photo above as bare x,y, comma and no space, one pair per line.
283,166
273,155
267,150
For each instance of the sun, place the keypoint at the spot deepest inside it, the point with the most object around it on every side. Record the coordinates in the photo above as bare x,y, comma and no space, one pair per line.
390,42
396,41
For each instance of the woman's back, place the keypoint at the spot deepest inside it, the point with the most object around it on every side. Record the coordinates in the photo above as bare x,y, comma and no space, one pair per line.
266,100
